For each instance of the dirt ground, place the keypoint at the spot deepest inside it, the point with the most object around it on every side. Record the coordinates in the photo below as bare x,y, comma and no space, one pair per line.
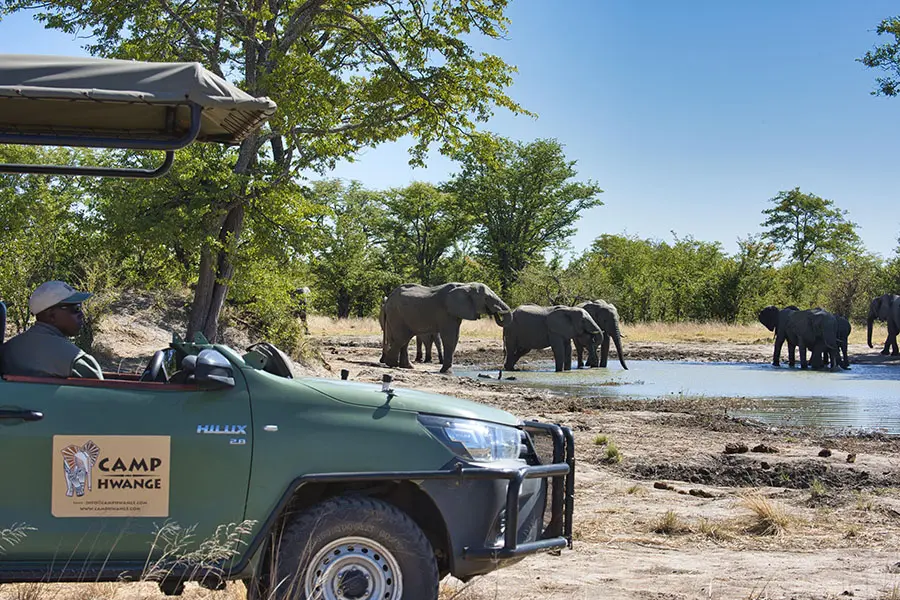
673,517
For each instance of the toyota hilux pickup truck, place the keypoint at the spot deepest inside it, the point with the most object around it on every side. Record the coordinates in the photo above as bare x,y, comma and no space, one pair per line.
216,464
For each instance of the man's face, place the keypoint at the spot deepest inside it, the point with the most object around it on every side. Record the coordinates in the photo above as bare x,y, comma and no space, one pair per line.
68,318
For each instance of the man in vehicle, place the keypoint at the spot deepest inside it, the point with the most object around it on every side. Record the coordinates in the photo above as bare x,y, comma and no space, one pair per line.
44,350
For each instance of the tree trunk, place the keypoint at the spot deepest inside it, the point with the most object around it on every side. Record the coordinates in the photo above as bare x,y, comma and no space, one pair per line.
216,267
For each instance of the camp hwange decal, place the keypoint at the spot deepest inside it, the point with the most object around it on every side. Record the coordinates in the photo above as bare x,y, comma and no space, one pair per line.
110,476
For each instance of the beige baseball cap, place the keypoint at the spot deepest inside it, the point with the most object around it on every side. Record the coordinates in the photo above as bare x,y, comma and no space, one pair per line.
52,293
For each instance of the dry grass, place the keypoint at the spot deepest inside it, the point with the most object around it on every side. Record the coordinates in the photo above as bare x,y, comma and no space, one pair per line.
767,517
713,530
612,452
637,490
486,328
669,523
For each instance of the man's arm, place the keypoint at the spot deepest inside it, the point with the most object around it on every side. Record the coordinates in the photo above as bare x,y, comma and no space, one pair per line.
87,366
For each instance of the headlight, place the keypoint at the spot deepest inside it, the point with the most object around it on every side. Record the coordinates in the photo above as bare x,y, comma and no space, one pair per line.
475,440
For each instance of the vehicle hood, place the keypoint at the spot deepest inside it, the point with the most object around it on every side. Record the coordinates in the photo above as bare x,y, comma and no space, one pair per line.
370,395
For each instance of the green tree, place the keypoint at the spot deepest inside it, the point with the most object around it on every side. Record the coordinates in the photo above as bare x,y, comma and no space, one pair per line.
806,225
45,229
886,57
744,282
348,267
522,197
345,76
420,227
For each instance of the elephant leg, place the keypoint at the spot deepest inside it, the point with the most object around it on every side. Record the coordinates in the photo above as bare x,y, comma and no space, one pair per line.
391,356
776,358
450,336
567,355
512,357
845,360
428,349
801,347
604,351
404,357
791,350
816,355
439,349
418,349
556,344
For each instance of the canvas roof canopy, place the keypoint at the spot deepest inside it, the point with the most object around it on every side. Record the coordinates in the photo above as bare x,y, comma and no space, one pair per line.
97,102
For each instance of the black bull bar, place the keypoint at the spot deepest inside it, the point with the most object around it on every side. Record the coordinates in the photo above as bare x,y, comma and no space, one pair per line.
561,469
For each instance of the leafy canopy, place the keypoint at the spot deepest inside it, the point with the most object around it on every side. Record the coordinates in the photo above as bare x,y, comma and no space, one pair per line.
345,75
805,225
886,57
420,227
522,197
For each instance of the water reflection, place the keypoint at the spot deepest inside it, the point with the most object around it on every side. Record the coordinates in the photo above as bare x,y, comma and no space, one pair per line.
865,397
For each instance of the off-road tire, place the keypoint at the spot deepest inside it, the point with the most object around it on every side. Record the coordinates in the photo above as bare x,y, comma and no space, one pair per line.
305,534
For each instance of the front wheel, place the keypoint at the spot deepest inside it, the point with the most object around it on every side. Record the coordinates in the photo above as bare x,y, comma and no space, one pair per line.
353,548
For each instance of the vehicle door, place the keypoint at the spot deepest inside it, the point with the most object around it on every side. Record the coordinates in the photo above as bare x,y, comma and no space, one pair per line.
96,470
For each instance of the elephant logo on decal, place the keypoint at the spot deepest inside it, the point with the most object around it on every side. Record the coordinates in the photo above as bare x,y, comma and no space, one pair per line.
78,464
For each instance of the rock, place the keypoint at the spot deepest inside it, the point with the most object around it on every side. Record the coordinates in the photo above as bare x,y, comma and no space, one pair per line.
700,493
662,485
738,448
510,379
483,376
765,448
825,452
851,457
765,465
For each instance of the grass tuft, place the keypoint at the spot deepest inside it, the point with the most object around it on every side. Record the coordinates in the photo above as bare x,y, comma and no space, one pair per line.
768,517
712,530
864,501
637,490
612,452
817,489
13,535
601,439
668,524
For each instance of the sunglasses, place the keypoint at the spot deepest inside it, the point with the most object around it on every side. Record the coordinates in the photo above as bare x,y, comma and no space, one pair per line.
70,308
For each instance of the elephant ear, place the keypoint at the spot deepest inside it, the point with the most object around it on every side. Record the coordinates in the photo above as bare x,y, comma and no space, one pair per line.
68,454
561,322
769,317
460,304
92,450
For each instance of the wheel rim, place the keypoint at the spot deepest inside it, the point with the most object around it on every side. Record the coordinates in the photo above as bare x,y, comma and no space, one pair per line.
353,568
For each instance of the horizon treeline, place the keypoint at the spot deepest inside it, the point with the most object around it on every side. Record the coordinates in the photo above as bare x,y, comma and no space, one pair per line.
505,219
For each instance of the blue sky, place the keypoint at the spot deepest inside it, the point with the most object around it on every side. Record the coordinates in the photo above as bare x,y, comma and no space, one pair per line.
689,115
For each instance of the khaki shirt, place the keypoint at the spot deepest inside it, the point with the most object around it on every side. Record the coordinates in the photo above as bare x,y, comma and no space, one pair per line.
43,351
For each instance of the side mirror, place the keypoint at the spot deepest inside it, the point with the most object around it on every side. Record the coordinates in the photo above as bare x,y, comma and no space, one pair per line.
211,366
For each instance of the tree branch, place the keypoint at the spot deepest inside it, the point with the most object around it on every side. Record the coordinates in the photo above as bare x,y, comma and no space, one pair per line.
194,37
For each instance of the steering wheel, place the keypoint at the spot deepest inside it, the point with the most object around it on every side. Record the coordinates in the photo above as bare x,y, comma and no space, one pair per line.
156,370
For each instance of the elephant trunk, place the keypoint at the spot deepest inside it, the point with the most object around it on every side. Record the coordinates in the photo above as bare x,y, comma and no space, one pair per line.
617,340
501,318
869,321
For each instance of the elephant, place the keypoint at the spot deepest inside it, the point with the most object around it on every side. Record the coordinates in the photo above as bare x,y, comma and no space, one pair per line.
606,317
532,327
814,329
412,309
885,308
776,320
77,466
426,340
843,337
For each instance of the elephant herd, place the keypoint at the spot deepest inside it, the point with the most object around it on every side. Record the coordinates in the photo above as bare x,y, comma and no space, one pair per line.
434,315
826,335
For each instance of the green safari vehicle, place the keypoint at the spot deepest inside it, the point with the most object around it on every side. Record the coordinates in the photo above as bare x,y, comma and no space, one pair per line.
216,464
